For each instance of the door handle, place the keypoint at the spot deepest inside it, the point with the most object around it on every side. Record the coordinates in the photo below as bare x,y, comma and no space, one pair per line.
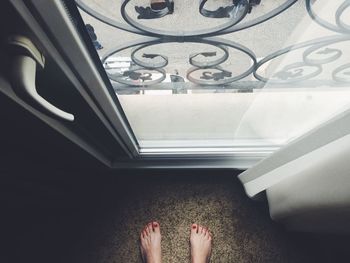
26,58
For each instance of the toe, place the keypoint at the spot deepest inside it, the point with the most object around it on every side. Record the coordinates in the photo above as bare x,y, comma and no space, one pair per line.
194,228
146,230
150,227
205,231
156,227
200,230
144,234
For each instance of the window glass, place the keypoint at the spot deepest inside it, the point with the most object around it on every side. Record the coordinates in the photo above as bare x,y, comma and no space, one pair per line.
222,73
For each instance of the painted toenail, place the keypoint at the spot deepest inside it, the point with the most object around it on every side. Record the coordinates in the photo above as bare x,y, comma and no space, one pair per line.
155,224
194,227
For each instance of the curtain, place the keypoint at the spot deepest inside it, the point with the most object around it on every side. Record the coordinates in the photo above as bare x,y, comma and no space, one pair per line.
300,154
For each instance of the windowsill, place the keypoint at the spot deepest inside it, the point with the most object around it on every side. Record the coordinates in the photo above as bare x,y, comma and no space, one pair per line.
224,122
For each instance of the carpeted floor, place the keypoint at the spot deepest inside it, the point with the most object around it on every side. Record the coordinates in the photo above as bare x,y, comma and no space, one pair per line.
243,231
107,231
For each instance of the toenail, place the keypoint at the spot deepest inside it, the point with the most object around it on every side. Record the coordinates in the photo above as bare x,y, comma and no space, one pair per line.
194,227
155,224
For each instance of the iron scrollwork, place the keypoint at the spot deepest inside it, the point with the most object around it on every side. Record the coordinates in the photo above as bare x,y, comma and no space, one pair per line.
340,26
315,53
229,11
149,13
342,74
295,72
137,77
148,64
218,61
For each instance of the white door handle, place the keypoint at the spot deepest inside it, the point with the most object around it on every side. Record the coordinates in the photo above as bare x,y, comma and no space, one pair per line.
24,65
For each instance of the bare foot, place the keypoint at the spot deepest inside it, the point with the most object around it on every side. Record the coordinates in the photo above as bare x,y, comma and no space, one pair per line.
200,240
150,243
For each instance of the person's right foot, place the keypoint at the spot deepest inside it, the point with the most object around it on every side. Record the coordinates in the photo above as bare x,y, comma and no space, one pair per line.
200,240
150,243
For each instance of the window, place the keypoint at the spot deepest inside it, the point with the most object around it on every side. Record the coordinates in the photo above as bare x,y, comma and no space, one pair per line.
223,76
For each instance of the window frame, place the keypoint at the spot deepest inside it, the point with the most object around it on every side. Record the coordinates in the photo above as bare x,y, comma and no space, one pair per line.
70,42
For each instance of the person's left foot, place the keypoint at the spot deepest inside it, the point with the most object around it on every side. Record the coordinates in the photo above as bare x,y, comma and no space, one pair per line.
150,243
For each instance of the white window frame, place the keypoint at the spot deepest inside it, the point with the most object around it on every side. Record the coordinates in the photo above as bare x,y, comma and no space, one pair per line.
72,56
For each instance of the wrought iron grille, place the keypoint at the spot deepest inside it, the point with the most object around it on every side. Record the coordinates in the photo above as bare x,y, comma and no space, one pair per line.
211,73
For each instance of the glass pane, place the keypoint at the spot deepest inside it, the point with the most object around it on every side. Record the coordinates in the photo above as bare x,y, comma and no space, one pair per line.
227,74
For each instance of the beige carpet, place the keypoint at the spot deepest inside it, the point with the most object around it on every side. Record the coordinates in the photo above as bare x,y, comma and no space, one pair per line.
243,231
99,221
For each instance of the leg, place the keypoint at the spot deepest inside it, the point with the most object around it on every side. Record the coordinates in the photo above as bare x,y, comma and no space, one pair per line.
150,243
200,240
